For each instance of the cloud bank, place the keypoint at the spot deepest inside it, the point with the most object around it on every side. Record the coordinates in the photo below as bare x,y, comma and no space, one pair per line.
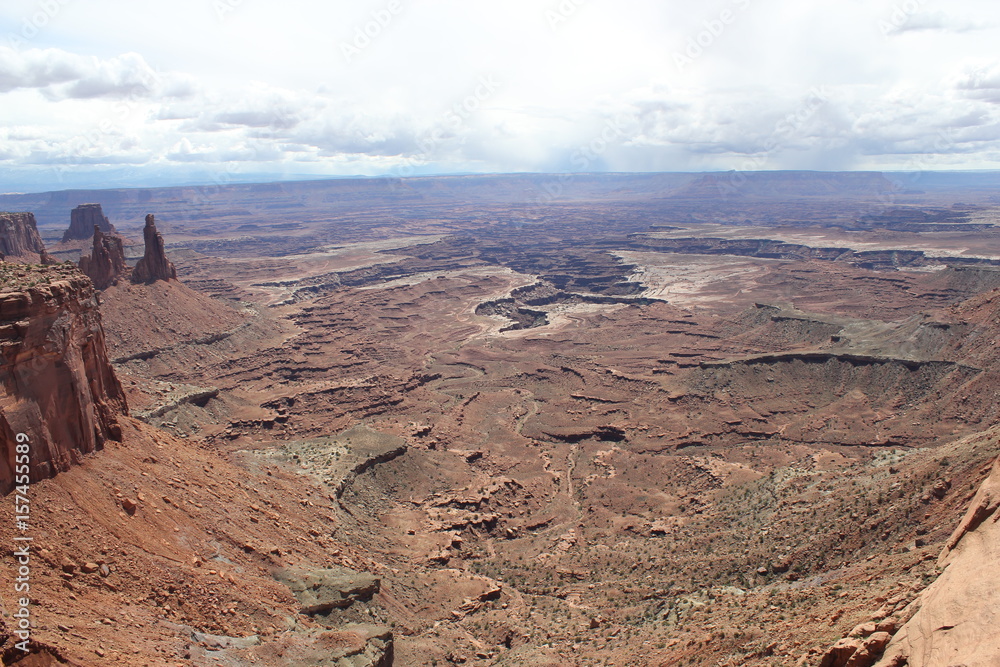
402,88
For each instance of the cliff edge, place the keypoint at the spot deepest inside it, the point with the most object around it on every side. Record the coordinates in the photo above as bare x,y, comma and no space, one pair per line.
958,614
19,239
56,383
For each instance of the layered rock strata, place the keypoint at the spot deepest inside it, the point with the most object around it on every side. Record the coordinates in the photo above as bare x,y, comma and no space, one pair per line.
19,239
58,391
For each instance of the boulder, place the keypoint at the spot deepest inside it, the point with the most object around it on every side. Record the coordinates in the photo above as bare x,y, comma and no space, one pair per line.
322,591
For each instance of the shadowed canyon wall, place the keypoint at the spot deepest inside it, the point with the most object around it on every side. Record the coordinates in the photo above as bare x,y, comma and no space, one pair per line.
19,239
56,383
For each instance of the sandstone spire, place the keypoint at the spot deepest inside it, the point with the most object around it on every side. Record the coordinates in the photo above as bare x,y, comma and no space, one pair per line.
106,263
154,264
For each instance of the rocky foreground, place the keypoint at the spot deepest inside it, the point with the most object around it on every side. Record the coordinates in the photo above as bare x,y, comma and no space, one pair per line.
129,561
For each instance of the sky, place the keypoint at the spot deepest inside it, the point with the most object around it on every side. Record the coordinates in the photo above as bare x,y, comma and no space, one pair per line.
143,92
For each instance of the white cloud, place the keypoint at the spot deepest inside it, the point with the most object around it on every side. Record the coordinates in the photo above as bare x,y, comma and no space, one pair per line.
982,82
38,68
268,88
61,75
937,20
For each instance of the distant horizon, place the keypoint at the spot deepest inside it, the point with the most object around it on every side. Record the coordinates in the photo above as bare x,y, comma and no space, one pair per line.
266,179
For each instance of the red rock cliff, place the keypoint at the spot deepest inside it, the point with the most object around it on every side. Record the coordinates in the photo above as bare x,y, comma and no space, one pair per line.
82,221
956,623
19,239
154,264
56,383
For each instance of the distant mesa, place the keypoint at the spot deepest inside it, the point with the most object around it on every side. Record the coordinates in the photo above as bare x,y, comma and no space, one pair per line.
82,221
19,239
105,265
154,264
781,184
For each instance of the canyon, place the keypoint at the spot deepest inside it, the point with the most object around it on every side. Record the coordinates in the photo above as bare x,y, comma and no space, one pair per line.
650,419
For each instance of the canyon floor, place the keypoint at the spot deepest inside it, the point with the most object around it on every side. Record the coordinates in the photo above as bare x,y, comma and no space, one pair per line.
638,426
